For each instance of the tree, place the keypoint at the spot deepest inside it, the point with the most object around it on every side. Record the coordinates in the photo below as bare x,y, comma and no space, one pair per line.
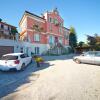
72,39
94,41
0,20
81,44
13,32
91,40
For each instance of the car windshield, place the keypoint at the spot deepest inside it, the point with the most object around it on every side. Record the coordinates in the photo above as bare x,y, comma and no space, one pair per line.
9,57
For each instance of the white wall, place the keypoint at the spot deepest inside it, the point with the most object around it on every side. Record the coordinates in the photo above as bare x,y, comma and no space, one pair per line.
27,47
7,42
43,47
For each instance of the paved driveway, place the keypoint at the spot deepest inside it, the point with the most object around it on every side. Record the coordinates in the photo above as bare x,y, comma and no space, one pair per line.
59,79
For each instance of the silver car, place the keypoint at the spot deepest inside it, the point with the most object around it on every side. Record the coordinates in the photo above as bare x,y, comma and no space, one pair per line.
91,57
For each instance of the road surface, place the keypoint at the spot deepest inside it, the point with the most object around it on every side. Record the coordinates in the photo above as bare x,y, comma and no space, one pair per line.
59,79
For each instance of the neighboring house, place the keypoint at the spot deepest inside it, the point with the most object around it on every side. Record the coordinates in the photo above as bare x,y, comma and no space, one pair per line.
44,32
7,36
7,31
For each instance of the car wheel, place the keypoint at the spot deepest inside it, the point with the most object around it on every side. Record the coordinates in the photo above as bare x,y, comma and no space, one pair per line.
77,61
23,66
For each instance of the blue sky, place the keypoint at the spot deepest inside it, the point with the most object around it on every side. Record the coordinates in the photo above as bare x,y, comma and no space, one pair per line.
84,15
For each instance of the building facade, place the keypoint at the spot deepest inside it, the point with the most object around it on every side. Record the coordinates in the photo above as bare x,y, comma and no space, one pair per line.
8,37
44,32
7,31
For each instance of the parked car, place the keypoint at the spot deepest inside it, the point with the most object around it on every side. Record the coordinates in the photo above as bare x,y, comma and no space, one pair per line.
91,57
14,61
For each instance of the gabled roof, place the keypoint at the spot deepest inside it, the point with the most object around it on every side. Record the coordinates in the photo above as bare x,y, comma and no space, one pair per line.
27,12
67,28
7,24
34,14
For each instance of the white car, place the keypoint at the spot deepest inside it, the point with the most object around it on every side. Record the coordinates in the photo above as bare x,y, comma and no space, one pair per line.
91,57
14,61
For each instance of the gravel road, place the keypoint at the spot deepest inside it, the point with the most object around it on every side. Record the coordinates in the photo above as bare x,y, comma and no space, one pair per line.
60,79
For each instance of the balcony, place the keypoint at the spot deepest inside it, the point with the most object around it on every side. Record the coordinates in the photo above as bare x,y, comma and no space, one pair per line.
4,35
57,24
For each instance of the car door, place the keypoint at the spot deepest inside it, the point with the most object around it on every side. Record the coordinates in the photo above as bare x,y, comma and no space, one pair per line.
97,58
27,58
88,58
23,59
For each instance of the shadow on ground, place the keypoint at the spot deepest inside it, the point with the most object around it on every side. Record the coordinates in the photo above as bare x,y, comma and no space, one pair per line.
62,57
10,81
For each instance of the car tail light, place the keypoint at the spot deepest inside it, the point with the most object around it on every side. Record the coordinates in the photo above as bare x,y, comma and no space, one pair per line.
17,62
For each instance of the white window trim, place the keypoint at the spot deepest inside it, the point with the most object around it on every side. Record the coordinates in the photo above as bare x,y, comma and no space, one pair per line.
37,37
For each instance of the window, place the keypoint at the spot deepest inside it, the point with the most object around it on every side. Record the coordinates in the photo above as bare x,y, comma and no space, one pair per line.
65,35
61,24
37,50
36,37
22,56
6,27
21,49
60,40
97,54
50,27
9,57
51,39
26,55
90,53
28,38
50,20
55,21
2,26
60,30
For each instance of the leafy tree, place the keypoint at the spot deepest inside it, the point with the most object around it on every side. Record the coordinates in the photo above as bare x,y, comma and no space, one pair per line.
94,42
13,32
0,20
81,44
91,40
72,38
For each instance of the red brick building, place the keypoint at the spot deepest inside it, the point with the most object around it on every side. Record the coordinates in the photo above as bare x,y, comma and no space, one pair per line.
44,31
